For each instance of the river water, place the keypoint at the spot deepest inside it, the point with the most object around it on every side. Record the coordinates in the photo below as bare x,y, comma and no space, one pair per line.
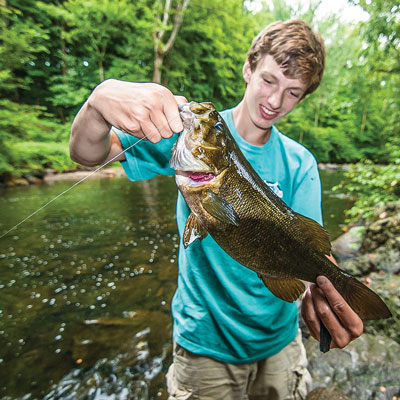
86,284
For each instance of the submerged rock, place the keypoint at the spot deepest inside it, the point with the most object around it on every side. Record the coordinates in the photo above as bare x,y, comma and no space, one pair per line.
368,368
100,338
348,245
374,247
388,287
325,394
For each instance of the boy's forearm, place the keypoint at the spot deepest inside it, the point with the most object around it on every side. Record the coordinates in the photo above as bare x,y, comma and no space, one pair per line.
90,137
139,109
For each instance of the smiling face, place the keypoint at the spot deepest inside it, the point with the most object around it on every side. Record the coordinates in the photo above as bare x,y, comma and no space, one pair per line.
270,95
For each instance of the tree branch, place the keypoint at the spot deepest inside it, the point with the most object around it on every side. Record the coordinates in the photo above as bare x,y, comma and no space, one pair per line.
180,8
164,22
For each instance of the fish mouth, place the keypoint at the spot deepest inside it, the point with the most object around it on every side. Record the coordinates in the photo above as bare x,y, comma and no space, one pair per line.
195,178
195,158
182,158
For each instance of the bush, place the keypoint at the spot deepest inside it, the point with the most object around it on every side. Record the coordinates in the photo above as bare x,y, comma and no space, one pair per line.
35,157
30,140
370,185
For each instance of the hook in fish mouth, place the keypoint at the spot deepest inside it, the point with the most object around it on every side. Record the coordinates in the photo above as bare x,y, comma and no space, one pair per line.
182,158
194,157
187,116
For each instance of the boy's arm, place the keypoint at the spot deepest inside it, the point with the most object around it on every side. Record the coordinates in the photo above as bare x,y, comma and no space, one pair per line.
140,109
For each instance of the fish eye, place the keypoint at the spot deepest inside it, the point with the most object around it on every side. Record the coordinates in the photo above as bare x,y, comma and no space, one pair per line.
219,126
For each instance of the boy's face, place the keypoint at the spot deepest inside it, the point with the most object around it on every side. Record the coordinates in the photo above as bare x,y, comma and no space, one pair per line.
270,95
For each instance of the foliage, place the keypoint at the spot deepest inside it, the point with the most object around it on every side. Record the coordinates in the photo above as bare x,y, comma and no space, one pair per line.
214,71
378,86
370,185
27,134
35,157
54,52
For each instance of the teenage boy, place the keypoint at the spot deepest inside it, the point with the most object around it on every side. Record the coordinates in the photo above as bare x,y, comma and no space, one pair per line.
233,339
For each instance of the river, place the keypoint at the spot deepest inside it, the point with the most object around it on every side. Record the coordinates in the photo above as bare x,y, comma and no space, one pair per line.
86,284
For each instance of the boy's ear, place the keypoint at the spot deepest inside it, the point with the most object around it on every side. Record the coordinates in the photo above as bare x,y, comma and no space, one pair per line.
246,71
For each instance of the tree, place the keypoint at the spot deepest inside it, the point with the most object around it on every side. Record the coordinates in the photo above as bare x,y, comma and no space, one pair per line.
206,62
162,26
54,52
22,40
381,33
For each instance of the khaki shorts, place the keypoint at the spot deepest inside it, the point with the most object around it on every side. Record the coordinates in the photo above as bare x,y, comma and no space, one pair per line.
283,376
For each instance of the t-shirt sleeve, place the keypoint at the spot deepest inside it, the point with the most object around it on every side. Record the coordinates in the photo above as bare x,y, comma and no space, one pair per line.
307,195
146,160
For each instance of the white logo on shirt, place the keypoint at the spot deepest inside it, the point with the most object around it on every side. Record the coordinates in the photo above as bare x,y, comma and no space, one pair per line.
275,188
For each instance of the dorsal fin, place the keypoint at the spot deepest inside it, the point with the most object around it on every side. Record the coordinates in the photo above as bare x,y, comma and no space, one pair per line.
315,235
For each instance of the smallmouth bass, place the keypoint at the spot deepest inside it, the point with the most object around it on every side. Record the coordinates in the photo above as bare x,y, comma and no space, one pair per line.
229,201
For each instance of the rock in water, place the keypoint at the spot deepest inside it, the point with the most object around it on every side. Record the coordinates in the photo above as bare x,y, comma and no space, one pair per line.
325,394
368,368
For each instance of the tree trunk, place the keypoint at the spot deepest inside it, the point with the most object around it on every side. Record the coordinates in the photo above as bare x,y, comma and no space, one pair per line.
161,49
61,115
316,118
158,62
3,4
101,69
364,117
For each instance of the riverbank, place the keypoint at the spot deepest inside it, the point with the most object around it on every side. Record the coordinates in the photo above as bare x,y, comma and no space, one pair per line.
368,367
50,176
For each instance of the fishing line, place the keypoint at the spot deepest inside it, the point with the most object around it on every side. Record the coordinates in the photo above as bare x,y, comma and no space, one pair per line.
71,187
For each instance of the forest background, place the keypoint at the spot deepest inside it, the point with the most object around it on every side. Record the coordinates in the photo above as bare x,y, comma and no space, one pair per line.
53,53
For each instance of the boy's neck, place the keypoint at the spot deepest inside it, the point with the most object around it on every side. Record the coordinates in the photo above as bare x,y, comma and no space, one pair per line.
247,130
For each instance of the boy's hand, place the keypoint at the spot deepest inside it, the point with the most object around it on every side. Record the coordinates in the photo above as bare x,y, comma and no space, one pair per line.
140,109
322,302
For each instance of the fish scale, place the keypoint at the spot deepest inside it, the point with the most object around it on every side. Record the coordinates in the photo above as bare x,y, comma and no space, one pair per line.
262,248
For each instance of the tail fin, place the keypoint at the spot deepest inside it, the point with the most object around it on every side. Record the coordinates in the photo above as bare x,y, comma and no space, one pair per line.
366,303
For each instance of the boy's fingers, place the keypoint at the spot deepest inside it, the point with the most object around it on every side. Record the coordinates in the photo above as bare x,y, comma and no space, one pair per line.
309,315
348,318
171,111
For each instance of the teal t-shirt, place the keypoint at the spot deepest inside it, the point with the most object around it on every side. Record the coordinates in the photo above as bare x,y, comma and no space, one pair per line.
221,309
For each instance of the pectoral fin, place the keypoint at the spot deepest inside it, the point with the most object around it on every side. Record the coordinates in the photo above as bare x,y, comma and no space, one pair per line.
219,208
193,230
286,289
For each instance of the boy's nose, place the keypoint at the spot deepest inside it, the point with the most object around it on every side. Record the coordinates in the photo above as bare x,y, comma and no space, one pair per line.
275,100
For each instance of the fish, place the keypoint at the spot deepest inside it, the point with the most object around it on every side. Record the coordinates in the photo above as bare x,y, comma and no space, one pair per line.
229,201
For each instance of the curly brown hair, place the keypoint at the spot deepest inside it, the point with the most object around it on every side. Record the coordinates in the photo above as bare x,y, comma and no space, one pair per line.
295,47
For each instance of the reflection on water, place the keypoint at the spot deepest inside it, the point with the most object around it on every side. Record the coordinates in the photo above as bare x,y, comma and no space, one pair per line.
334,204
85,289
